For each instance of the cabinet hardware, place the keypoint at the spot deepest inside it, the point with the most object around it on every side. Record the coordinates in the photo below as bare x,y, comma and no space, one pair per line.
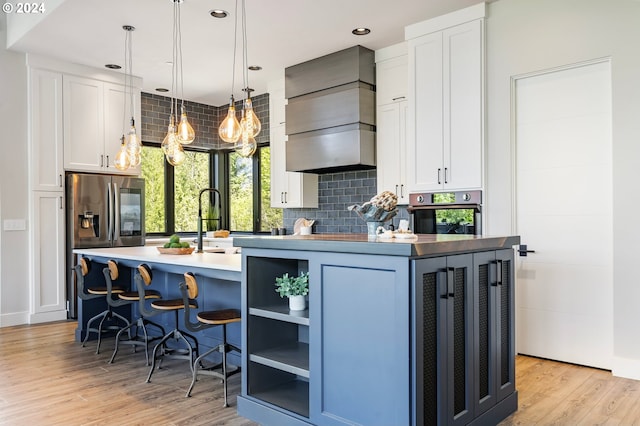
445,175
397,98
396,189
102,161
61,203
60,180
285,197
442,283
450,281
402,190
496,271
282,198
108,162
522,250
439,181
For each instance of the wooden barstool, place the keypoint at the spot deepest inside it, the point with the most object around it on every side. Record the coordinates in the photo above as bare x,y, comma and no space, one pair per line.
129,298
159,307
94,292
208,319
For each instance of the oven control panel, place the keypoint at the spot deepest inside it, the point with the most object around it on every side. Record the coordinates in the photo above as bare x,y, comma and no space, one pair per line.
445,198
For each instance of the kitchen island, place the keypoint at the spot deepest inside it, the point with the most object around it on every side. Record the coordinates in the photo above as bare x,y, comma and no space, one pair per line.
218,275
397,332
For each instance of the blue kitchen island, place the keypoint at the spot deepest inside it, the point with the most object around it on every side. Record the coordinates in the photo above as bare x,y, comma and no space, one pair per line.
397,332
218,275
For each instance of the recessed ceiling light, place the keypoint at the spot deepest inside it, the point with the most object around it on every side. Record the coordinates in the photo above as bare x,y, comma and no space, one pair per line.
162,89
218,13
254,67
361,31
113,66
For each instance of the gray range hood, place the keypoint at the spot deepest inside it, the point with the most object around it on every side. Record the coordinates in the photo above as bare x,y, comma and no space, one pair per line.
330,117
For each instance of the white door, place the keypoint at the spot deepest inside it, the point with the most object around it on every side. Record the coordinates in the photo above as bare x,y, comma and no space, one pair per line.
564,213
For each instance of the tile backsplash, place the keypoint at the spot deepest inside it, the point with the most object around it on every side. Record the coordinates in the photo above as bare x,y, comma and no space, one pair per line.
336,192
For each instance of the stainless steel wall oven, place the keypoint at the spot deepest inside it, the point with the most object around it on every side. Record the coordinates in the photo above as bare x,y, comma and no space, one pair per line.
446,212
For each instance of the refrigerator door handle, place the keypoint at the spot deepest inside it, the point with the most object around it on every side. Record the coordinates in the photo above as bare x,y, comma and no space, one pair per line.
110,218
116,211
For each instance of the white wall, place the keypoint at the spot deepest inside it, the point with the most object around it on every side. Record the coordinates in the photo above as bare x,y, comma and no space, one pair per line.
14,200
525,36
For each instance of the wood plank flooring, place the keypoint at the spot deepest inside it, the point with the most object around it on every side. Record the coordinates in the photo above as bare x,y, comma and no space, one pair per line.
46,378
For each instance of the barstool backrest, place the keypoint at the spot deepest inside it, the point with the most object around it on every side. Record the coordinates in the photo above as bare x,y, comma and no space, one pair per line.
145,273
192,285
85,265
113,269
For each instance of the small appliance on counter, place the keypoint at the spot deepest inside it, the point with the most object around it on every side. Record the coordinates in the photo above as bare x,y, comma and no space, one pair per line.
446,212
102,211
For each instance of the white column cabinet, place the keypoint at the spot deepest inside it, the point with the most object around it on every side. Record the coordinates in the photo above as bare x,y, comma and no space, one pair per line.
48,301
391,120
288,189
446,114
46,168
93,123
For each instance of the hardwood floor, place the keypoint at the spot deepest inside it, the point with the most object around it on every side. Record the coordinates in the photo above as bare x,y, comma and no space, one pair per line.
46,378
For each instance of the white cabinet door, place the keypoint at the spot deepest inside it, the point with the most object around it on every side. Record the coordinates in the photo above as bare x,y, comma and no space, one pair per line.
445,132
83,124
289,189
463,106
391,80
391,149
46,137
47,256
117,120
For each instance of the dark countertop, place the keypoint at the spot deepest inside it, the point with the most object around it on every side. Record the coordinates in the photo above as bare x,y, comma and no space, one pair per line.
424,245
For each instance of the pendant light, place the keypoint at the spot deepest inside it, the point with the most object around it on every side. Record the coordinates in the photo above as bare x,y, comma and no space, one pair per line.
122,157
184,132
249,124
134,146
242,134
176,135
130,151
229,130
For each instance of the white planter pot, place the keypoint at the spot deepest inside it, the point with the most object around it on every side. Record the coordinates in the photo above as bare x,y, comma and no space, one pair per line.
297,303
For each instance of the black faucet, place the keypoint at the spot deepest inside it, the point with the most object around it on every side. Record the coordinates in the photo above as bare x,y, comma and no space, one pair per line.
199,250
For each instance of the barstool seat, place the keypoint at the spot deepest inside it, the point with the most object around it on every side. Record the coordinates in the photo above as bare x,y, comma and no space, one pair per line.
208,319
95,291
161,350
129,298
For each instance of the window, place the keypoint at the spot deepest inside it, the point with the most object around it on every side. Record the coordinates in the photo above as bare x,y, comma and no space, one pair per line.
171,193
185,183
250,193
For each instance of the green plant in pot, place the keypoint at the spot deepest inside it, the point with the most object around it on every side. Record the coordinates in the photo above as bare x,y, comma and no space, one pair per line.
295,288
211,219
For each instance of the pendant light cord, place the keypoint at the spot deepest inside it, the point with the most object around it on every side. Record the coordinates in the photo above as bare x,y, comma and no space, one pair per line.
235,48
179,54
245,73
130,47
173,58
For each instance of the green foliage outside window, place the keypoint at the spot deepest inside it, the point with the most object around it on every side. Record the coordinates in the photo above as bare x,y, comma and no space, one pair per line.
190,177
153,172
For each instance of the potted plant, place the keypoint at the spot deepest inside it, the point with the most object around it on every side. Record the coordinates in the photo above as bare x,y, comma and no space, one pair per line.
295,288
211,220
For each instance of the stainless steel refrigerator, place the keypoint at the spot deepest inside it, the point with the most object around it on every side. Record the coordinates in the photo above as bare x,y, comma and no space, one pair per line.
102,211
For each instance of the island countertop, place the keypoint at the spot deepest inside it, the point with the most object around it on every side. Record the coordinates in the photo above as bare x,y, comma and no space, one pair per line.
227,266
419,246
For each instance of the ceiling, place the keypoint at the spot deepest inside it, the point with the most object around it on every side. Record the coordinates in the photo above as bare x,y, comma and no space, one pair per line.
280,33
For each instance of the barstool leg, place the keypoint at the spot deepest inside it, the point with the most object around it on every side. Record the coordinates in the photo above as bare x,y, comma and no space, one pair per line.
224,363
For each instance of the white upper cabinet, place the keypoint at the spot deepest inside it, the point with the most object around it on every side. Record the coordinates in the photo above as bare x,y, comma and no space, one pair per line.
391,121
288,189
445,131
45,124
96,114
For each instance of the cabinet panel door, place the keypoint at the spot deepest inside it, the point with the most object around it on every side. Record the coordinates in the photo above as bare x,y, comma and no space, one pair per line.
279,177
360,303
48,295
83,124
391,149
46,162
494,334
462,106
117,120
391,80
425,121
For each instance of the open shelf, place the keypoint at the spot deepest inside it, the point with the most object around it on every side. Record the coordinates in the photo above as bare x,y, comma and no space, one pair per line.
292,396
281,313
292,358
